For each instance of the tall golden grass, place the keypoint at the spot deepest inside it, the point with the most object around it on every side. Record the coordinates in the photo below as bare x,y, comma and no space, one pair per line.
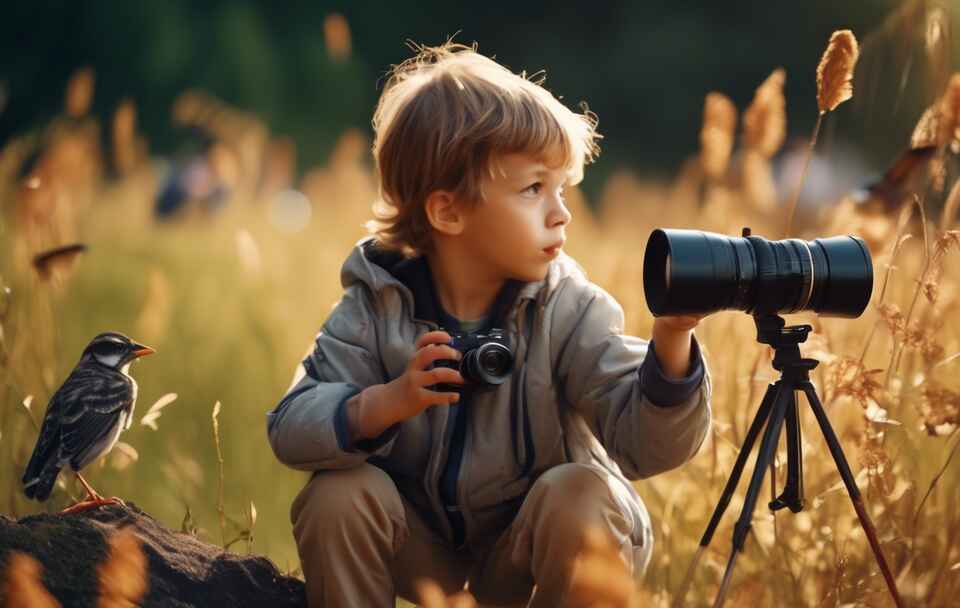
231,300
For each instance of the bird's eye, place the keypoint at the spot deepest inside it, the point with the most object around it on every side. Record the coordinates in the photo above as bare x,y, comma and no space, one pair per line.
105,349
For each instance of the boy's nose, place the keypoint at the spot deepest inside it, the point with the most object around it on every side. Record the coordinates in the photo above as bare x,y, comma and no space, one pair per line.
560,215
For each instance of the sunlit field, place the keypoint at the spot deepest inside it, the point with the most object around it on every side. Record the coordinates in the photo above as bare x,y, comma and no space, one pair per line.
231,295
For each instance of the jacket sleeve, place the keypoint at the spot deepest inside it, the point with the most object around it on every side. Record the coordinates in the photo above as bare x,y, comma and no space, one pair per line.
308,429
647,423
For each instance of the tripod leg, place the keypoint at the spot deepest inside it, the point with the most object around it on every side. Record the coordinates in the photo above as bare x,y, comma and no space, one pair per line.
792,495
850,482
767,448
771,437
763,414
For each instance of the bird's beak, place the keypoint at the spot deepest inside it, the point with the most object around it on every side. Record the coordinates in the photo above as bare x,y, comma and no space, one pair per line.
139,350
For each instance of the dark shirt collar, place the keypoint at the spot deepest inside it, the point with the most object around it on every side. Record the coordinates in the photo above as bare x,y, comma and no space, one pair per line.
416,275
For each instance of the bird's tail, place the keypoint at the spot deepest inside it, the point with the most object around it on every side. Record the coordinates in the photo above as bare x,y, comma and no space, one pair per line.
40,486
42,471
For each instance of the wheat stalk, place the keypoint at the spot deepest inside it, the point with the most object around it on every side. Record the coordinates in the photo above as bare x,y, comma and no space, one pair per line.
216,440
898,349
834,86
949,214
936,478
898,242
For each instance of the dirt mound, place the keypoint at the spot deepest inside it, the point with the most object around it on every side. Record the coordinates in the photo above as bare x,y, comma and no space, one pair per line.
182,570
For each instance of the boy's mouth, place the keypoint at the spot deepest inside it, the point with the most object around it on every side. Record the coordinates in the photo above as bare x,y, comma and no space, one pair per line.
553,249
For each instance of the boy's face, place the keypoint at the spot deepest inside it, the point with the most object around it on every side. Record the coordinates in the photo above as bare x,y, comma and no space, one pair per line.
522,217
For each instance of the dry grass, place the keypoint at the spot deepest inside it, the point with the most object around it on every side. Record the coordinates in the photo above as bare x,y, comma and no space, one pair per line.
24,587
834,86
835,71
717,134
764,129
231,300
123,579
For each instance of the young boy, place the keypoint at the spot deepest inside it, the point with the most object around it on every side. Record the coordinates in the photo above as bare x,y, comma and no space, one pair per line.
485,486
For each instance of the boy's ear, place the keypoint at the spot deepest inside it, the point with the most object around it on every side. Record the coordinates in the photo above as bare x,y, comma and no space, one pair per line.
444,212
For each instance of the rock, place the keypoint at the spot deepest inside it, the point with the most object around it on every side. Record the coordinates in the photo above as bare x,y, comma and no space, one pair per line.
183,570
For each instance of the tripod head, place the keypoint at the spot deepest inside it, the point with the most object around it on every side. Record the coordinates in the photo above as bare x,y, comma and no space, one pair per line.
773,330
785,341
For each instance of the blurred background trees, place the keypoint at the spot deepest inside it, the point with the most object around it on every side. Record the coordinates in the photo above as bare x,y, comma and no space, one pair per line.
311,70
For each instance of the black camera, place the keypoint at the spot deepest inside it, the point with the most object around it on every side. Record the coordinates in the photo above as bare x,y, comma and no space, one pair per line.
487,359
694,272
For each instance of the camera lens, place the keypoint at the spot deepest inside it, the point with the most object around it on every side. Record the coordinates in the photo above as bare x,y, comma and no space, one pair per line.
490,363
493,361
694,272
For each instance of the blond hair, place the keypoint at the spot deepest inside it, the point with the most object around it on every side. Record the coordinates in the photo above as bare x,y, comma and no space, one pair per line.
444,117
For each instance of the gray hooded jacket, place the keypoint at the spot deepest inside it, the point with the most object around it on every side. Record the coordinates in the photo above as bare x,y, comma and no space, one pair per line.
581,391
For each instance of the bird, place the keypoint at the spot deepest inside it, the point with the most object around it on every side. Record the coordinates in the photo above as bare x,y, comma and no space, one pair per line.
904,177
85,417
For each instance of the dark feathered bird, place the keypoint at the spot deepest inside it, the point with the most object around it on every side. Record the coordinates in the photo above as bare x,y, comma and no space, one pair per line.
888,194
86,415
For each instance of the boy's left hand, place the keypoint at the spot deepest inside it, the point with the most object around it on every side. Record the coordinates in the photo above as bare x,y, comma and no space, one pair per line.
672,335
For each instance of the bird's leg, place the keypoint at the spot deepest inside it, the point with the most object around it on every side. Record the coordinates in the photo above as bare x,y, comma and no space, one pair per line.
93,500
91,493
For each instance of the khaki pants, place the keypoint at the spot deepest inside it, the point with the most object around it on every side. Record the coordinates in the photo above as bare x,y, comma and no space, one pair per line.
361,543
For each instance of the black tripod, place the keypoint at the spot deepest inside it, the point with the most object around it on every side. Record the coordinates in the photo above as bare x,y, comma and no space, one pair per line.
779,405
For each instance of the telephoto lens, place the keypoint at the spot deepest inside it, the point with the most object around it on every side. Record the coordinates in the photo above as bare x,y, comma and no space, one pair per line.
689,272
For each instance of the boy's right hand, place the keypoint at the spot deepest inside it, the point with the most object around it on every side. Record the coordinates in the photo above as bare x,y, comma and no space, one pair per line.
379,406
410,388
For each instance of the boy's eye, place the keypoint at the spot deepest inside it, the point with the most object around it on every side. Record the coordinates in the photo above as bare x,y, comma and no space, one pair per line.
534,188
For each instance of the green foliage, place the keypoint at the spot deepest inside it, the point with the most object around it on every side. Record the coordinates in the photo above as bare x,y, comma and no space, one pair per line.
643,67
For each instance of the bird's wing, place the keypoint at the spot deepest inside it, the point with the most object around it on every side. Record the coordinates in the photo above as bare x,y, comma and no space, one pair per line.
94,401
48,442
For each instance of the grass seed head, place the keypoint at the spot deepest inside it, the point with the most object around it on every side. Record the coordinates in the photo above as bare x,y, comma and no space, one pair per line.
927,131
79,92
835,72
716,137
336,35
945,241
765,120
939,409
949,111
